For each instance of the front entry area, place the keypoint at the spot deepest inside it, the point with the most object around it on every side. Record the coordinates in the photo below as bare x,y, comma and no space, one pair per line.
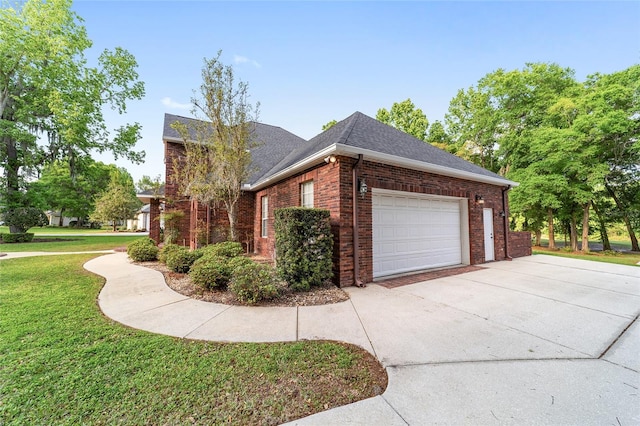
412,232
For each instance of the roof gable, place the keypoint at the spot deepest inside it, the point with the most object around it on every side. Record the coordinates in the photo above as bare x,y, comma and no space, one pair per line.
272,143
359,132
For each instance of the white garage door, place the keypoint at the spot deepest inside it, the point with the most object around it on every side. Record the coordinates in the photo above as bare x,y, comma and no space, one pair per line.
413,232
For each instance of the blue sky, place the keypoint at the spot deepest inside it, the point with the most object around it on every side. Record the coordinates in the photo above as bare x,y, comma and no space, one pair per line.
310,62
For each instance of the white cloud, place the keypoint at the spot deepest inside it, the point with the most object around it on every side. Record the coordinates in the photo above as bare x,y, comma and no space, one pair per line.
244,60
168,102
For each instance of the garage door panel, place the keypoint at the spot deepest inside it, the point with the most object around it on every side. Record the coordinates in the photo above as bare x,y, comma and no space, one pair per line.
412,233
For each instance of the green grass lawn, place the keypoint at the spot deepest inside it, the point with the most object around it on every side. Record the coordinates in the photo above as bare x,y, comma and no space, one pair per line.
70,243
622,258
63,362
57,230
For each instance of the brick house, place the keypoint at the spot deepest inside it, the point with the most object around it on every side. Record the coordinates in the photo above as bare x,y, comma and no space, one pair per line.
412,206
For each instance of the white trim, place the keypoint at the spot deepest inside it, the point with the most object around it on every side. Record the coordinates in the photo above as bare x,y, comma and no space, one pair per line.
421,165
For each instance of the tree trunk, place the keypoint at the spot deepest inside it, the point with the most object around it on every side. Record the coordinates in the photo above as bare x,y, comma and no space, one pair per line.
61,221
552,237
114,225
604,236
538,237
232,213
625,217
573,233
12,173
585,227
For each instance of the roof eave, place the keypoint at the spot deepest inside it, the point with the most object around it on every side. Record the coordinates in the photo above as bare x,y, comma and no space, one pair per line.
408,163
351,151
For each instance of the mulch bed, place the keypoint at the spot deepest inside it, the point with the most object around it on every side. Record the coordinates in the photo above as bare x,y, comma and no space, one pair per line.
426,276
181,283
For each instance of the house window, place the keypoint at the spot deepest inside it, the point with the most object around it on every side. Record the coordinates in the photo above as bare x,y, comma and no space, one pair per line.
265,216
306,194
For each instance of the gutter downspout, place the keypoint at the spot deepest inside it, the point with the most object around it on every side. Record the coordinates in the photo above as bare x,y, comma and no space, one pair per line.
356,241
506,222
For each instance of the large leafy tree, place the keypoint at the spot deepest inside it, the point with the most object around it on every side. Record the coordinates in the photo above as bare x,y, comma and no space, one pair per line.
72,196
48,88
217,146
610,125
406,117
472,122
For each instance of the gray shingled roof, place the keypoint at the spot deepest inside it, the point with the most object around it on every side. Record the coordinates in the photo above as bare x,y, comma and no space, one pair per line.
278,149
361,131
272,144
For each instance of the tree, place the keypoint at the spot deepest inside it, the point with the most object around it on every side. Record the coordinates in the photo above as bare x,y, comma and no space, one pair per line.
438,137
610,124
329,125
217,146
47,87
147,183
58,190
118,202
472,121
405,117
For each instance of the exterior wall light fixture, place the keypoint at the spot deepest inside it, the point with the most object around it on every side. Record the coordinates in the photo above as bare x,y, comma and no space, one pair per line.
330,159
479,199
362,188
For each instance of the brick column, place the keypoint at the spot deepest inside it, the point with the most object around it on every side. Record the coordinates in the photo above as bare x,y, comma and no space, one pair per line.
154,220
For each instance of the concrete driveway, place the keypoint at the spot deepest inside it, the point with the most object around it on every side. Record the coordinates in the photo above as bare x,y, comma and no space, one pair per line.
540,340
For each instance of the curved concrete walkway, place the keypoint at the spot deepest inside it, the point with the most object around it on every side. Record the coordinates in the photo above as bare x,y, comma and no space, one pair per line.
540,340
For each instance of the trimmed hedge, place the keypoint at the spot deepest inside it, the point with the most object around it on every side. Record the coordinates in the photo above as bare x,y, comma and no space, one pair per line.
142,250
166,250
304,246
224,249
21,237
181,259
254,282
211,272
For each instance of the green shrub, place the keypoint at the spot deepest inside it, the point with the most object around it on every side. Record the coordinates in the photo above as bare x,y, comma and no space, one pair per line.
180,260
254,282
224,249
142,250
211,272
24,218
166,250
238,262
304,246
22,237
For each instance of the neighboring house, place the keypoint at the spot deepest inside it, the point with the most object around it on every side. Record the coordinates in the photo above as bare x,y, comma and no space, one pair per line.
412,206
54,219
141,221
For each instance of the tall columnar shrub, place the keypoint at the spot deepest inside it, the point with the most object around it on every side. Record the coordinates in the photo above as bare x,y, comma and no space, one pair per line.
304,246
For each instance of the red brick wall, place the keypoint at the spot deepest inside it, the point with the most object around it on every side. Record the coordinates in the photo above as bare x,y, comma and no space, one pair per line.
395,178
333,191
326,186
519,244
173,199
218,220
154,220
